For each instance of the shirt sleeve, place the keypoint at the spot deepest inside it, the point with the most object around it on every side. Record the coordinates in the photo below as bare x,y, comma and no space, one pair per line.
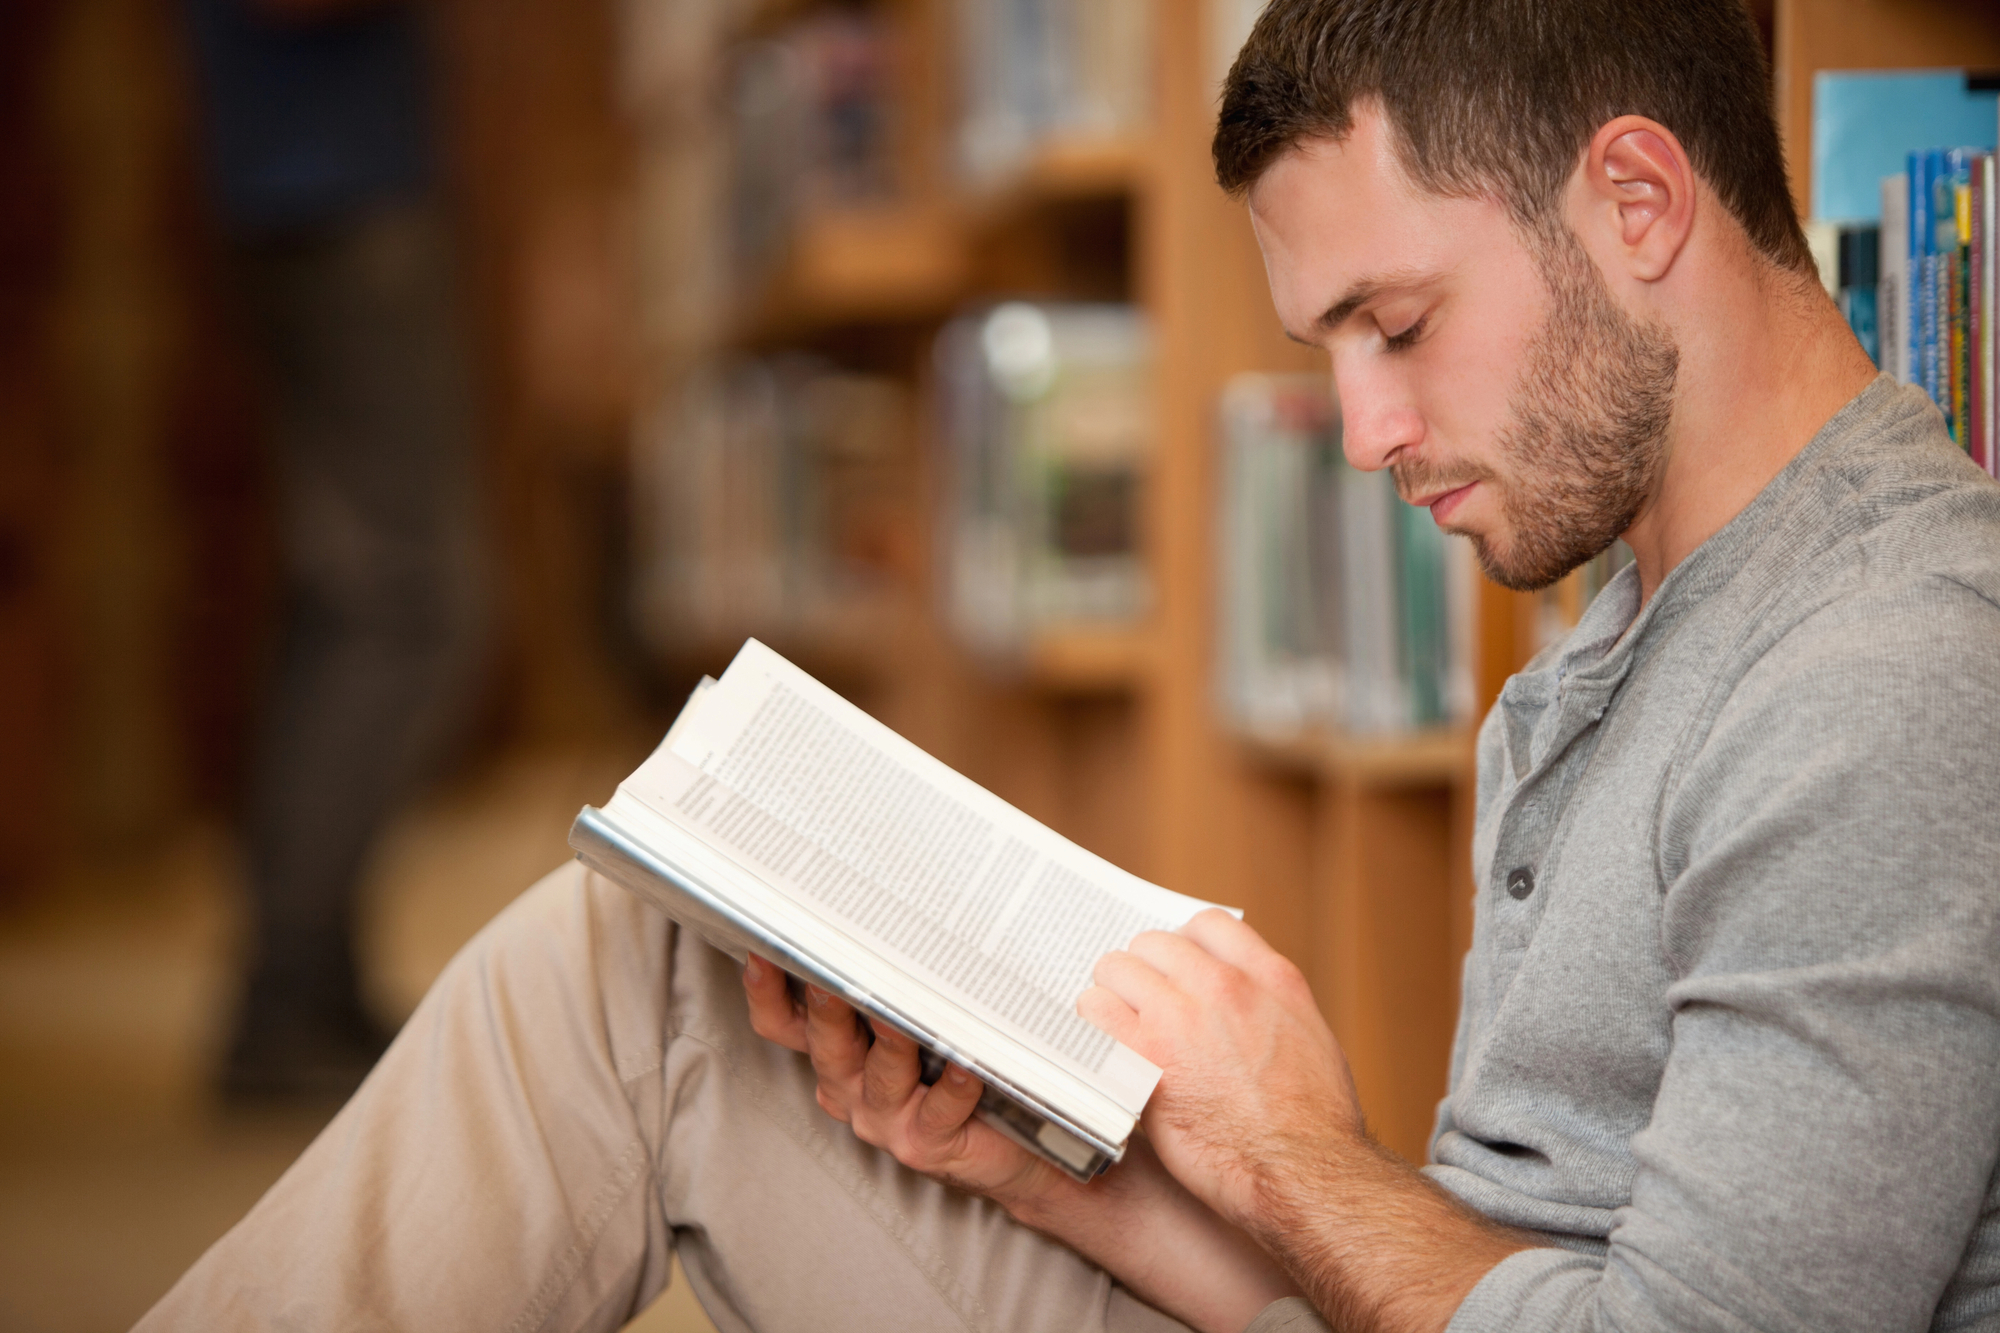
1826,1129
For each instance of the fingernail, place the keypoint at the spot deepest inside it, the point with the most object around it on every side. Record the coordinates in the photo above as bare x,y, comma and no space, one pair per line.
957,1075
819,997
753,969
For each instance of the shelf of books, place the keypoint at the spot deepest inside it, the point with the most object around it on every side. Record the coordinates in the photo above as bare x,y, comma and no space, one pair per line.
966,393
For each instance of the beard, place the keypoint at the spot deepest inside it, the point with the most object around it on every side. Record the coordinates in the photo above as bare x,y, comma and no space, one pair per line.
1586,434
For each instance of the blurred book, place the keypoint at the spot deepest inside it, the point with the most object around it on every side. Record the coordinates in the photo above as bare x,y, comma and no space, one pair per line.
1280,615
1047,421
778,819
1341,607
1037,71
812,126
778,498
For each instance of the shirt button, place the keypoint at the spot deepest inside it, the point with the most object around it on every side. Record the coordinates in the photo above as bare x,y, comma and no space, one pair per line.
1520,882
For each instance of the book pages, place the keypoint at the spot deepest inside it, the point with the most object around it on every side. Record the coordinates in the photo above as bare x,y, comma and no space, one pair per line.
992,909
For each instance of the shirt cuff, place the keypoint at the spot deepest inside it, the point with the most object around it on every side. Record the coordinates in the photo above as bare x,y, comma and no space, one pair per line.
1547,1290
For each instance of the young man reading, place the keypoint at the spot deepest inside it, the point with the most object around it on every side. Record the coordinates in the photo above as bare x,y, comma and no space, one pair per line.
1729,1055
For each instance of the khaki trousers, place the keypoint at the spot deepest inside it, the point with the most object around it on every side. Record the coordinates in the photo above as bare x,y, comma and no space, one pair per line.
580,1096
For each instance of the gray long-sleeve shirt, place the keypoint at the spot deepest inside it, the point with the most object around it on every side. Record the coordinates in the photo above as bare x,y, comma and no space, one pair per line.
1731,1028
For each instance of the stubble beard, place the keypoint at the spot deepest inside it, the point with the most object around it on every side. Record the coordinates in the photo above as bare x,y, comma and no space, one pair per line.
1586,436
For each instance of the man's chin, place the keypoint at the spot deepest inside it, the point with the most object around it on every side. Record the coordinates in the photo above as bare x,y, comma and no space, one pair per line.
1507,568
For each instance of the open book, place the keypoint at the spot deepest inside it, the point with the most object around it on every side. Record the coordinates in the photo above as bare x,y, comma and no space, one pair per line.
777,818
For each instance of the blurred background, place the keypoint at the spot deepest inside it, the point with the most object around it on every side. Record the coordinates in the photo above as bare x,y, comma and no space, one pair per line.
403,404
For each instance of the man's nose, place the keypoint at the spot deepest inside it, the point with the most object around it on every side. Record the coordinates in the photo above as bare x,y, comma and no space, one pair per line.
1376,420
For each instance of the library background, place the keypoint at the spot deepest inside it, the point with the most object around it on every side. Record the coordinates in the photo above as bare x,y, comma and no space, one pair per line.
911,337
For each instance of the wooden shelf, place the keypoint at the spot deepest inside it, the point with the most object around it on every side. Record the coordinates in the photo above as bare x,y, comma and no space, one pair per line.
1091,660
1431,758
855,637
889,263
1062,171
764,18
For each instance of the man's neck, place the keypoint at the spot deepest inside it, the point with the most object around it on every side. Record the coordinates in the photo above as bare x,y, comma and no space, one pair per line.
1756,382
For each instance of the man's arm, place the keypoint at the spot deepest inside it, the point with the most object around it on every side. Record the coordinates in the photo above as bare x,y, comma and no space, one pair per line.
1256,1113
1824,1135
1135,1221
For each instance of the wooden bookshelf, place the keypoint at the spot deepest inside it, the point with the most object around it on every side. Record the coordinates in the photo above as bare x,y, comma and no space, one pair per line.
1062,171
897,263
1091,660
1434,758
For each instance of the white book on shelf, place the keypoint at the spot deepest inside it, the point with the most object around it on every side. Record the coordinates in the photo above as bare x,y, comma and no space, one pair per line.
778,818
1892,306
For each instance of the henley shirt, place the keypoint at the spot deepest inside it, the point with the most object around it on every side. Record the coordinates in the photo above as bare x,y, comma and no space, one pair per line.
1730,1038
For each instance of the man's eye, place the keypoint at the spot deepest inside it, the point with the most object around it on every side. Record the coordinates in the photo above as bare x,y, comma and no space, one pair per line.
1407,338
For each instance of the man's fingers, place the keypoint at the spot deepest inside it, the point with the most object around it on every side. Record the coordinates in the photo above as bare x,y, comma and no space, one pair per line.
947,1104
889,1072
1230,940
1236,945
1134,980
773,1015
832,1038
1104,1011
1179,959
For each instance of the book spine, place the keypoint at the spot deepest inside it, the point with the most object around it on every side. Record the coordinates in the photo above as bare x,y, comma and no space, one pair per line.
1957,244
1989,346
1893,277
1918,298
1976,314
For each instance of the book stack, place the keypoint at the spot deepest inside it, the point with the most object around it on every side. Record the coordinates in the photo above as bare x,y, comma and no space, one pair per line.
776,494
1048,427
1929,214
1038,71
1942,210
1341,606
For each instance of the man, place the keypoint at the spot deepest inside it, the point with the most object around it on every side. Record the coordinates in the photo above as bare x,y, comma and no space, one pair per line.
317,130
1730,1049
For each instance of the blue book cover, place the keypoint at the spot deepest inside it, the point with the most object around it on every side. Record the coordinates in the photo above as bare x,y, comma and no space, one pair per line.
1921,240
1865,120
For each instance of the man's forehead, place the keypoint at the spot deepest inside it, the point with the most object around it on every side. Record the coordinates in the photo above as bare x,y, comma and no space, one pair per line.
1340,221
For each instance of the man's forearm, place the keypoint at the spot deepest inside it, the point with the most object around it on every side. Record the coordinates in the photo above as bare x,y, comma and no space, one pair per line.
1143,1227
1375,1246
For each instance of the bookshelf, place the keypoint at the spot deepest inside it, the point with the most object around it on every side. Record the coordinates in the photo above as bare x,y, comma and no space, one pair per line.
1350,853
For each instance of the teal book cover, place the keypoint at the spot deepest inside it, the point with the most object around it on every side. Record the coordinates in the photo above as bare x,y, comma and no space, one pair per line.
1866,123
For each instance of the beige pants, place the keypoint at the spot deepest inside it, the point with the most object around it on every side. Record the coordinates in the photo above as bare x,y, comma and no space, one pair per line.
579,1096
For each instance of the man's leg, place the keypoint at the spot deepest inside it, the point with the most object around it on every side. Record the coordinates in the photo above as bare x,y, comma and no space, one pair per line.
579,1094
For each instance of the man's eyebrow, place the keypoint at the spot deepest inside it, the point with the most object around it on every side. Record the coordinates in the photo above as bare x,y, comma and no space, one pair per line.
1360,293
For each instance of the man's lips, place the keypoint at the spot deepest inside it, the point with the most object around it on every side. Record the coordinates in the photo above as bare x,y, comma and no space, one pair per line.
1442,503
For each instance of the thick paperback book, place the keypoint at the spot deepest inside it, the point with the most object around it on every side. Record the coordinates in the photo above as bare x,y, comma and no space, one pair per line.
776,818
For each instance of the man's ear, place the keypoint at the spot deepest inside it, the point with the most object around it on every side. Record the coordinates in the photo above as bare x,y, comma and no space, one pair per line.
1639,189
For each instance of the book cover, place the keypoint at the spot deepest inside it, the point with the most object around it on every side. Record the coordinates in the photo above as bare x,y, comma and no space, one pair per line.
1864,122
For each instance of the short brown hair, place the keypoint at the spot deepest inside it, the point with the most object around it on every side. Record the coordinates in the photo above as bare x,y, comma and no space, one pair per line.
1502,96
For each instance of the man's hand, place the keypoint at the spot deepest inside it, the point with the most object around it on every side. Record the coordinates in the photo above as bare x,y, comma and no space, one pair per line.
875,1087
1254,1080
1135,1220
1256,1114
